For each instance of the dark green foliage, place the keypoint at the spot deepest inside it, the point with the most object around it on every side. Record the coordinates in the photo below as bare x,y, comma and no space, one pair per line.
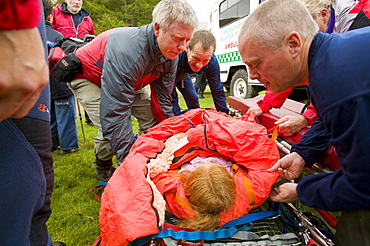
107,14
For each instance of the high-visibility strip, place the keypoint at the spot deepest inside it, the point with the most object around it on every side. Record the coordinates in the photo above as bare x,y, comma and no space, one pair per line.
180,153
233,56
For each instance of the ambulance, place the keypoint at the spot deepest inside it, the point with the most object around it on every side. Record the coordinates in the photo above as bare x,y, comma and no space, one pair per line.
227,17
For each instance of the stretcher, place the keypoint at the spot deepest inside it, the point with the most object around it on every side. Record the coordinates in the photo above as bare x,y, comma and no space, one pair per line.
266,224
327,163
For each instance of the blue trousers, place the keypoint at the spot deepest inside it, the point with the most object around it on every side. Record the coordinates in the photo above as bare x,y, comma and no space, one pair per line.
187,90
63,123
200,83
35,131
23,185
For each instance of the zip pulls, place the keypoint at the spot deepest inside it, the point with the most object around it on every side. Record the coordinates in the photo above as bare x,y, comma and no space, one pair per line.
74,24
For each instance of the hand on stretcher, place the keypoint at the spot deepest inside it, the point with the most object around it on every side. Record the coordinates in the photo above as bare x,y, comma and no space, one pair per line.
290,125
289,167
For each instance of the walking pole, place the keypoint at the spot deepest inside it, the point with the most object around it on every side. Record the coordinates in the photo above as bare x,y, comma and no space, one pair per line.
82,125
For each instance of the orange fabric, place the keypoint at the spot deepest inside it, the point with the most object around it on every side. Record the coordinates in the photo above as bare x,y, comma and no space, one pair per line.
126,210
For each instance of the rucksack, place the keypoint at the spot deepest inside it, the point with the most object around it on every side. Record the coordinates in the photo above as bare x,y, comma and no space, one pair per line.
64,65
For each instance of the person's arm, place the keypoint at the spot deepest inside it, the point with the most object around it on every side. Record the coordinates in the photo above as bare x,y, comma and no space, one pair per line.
304,153
17,14
212,72
274,100
347,188
270,100
310,114
290,125
313,143
22,52
187,90
122,68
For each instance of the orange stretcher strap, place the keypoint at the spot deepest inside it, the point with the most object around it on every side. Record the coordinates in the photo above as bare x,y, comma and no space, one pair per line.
249,190
274,131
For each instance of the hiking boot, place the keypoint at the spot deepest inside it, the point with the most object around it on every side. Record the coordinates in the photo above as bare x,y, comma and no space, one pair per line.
104,169
59,244
104,174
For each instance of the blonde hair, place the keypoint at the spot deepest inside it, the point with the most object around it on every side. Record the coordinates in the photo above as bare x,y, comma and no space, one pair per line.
210,190
315,6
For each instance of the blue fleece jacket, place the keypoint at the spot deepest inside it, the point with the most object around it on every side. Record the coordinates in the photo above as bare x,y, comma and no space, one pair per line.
212,71
339,84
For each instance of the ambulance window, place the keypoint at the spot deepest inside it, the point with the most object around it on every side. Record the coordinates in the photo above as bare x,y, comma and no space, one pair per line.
223,6
243,9
232,10
232,2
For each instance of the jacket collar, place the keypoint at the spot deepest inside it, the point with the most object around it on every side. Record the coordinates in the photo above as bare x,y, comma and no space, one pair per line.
155,52
316,42
83,12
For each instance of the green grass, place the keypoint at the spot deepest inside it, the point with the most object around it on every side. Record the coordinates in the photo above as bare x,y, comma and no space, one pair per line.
74,219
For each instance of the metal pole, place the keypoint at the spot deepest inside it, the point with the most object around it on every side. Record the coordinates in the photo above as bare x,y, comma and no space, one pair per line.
79,113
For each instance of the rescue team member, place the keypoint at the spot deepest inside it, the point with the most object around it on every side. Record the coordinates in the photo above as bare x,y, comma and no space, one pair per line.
199,56
71,20
290,51
123,60
321,12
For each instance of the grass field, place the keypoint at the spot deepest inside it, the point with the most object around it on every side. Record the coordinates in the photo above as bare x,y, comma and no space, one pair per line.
74,220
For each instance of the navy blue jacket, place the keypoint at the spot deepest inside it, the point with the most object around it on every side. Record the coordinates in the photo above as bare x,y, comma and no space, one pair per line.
185,85
339,84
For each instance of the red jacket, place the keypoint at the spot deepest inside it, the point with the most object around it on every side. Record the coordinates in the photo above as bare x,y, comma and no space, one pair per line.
16,14
276,100
63,22
127,209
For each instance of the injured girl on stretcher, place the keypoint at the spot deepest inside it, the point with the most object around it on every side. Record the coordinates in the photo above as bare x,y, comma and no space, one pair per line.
204,168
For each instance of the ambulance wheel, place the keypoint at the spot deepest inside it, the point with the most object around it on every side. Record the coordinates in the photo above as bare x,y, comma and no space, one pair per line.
239,85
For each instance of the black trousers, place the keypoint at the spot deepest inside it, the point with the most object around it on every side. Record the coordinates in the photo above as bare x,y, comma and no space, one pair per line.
353,228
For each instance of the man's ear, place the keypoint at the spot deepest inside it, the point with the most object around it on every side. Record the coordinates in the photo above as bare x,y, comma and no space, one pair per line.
294,43
156,29
325,16
49,18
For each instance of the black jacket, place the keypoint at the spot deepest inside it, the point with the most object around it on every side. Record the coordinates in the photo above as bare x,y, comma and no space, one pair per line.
58,90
